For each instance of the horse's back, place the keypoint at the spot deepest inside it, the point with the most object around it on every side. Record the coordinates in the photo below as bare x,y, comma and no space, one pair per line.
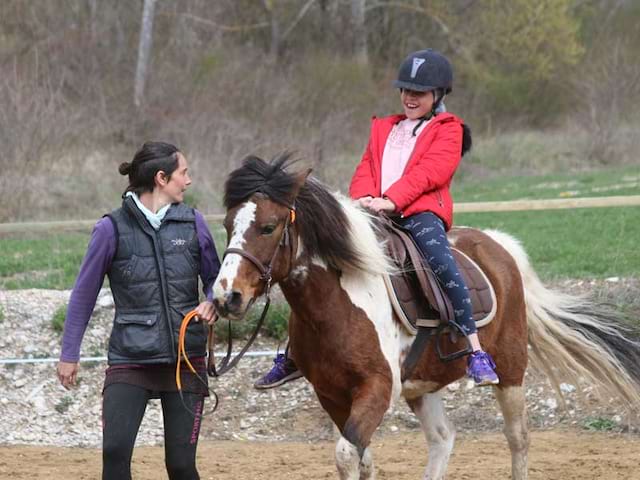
506,336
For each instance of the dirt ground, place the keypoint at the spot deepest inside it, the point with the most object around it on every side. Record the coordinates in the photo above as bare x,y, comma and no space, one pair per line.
557,454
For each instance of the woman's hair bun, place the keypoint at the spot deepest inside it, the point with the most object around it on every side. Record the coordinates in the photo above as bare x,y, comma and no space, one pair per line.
124,168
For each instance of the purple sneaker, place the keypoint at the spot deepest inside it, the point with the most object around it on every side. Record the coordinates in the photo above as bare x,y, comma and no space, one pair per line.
284,370
481,368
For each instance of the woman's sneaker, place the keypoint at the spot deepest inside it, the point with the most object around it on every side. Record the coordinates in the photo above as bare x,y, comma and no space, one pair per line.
481,367
284,370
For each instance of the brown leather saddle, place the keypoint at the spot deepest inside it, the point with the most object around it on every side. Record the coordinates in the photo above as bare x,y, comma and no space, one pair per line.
417,296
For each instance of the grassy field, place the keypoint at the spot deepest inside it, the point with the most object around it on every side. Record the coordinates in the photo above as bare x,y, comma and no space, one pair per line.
578,243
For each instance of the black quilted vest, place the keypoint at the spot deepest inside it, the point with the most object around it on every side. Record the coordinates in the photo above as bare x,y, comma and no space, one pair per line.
154,280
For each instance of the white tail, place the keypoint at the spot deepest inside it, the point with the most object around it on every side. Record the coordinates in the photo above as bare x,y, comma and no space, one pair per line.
572,338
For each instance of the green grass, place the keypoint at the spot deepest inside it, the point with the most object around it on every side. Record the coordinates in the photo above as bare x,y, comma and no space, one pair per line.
597,183
39,262
57,321
578,243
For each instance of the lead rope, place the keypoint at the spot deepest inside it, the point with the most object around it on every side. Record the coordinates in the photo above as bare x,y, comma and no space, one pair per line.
182,354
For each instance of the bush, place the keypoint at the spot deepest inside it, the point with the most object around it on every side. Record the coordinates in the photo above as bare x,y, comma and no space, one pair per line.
275,325
1,314
57,321
63,405
599,424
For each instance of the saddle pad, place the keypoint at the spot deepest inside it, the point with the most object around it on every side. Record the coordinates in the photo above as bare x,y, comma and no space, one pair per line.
481,292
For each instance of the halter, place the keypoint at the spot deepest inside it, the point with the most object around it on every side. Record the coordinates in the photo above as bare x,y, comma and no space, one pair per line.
266,276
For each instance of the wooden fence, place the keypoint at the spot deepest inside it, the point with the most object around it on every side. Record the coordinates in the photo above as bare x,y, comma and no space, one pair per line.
517,205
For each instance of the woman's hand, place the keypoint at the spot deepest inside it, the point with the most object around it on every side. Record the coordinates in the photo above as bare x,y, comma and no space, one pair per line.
207,312
382,205
67,373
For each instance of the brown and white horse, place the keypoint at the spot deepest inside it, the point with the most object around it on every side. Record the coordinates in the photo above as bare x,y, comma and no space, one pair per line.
347,342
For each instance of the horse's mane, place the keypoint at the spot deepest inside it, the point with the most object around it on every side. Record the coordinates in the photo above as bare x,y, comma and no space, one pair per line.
331,228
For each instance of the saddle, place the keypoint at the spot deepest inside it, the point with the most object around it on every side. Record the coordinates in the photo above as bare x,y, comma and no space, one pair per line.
417,296
416,293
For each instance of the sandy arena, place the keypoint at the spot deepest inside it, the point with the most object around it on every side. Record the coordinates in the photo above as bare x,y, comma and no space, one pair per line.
562,455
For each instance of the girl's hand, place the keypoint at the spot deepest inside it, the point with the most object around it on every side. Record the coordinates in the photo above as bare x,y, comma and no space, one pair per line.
382,205
207,312
365,201
67,373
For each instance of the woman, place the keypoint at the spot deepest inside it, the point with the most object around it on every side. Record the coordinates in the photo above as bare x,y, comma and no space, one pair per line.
152,248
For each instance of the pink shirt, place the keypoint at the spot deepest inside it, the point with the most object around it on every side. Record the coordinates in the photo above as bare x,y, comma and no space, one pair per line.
398,150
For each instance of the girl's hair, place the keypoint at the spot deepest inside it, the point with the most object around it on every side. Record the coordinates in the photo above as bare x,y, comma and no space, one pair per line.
149,160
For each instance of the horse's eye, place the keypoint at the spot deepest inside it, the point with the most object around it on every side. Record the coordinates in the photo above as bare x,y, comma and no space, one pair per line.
267,229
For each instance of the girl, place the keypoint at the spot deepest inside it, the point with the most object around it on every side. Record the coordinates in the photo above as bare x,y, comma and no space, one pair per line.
152,248
407,169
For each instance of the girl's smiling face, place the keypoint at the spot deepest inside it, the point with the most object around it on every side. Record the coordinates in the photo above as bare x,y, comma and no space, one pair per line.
416,104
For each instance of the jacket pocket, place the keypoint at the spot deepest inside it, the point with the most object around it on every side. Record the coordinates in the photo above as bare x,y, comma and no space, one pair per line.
196,335
136,335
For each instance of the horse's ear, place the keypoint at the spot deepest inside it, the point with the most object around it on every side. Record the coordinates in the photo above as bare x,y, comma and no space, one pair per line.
300,179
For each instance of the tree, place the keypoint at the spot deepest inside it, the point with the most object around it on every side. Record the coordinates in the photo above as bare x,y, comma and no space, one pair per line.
144,50
359,31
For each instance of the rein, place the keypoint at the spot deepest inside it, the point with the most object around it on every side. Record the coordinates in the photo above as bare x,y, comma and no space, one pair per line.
227,363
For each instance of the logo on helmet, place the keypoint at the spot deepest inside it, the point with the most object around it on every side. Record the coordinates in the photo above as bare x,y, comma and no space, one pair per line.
416,65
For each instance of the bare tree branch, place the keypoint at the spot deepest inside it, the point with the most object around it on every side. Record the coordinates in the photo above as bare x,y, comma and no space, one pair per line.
217,26
303,11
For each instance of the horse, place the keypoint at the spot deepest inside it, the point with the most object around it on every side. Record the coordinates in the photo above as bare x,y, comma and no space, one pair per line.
324,251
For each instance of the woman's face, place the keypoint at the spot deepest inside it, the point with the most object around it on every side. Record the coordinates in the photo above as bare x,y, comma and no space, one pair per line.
416,104
174,189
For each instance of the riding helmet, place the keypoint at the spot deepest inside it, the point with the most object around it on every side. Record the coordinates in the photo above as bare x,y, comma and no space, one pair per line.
425,70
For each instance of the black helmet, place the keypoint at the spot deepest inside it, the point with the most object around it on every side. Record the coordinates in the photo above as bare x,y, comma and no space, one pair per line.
425,70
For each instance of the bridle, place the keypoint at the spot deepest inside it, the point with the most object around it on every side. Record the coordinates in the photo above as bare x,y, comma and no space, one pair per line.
266,276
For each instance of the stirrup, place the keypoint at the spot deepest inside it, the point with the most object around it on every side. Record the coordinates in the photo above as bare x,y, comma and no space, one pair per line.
455,328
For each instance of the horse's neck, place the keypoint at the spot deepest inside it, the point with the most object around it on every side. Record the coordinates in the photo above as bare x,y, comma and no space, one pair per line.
312,291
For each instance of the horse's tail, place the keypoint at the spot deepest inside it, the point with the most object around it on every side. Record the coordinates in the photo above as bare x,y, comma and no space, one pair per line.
573,338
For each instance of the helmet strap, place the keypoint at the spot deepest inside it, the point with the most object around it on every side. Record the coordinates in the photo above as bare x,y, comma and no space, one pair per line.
436,103
424,118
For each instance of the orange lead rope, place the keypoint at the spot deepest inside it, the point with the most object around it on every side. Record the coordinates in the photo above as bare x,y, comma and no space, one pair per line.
182,354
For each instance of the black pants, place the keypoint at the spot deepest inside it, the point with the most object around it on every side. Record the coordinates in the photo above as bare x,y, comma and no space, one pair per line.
122,411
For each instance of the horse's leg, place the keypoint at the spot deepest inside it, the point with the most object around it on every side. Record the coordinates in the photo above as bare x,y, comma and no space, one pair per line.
357,423
438,430
514,411
352,466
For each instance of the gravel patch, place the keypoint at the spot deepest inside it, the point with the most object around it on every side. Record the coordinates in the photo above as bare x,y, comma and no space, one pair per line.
35,409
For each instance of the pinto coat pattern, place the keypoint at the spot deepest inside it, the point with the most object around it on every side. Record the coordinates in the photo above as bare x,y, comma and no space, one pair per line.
350,347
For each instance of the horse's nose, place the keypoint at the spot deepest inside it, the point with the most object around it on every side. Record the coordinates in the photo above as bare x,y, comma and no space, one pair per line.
233,301
230,304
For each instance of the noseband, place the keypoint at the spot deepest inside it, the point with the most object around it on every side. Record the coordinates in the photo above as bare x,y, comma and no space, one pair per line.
266,276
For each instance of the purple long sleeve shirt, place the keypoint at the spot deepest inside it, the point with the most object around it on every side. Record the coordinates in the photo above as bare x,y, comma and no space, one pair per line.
96,263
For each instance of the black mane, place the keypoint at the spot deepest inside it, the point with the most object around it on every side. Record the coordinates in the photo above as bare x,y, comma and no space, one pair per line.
322,223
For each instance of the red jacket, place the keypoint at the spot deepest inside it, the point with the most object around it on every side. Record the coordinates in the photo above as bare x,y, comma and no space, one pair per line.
424,185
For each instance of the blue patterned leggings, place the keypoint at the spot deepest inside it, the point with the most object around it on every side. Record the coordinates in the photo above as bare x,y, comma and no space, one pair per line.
429,234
